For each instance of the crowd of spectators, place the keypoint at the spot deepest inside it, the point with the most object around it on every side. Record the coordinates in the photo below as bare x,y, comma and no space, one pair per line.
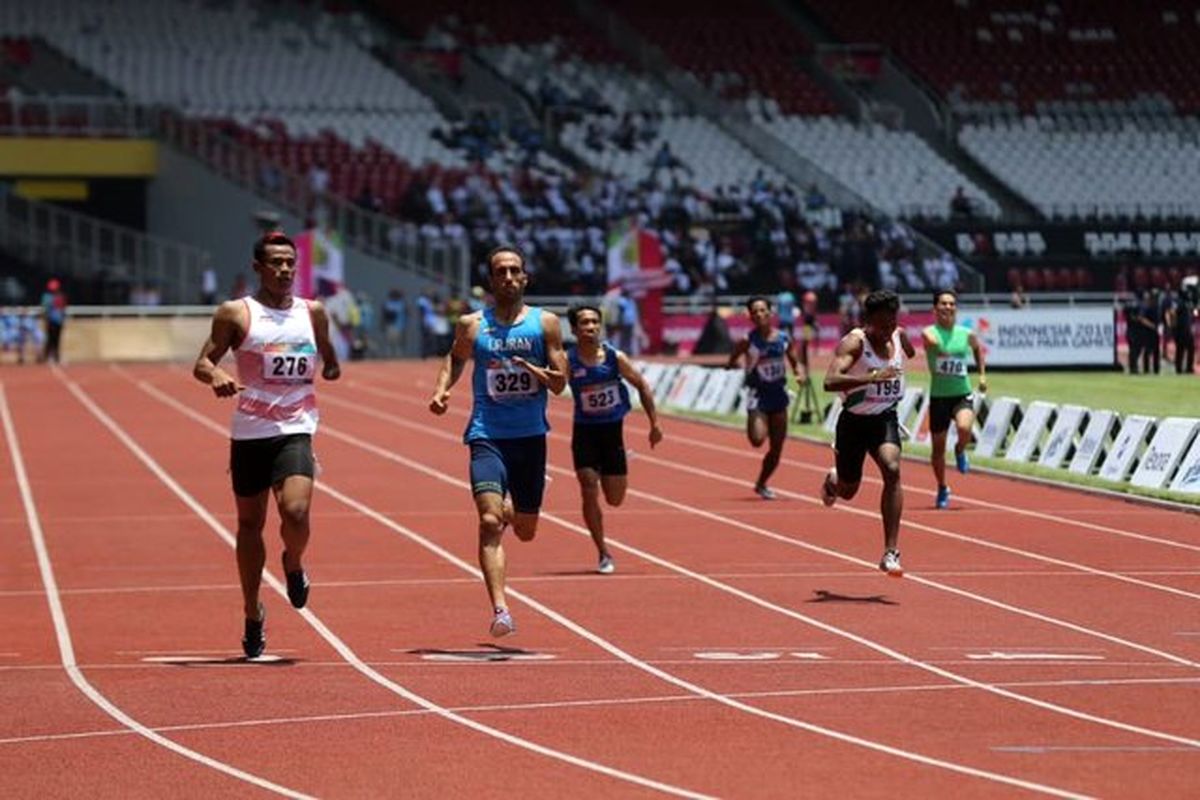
759,237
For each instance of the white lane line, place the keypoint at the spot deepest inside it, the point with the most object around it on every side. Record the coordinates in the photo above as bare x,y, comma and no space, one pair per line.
784,539
728,589
594,702
743,453
62,632
843,507
329,636
609,646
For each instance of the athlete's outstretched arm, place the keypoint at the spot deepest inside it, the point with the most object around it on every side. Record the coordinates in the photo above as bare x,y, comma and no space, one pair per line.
798,369
906,345
227,332
980,360
331,370
456,359
638,381
554,375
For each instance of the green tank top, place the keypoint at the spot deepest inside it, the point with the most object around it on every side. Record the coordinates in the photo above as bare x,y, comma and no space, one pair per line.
948,361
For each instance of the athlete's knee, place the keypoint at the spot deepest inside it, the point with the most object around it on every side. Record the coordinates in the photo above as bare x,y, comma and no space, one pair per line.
251,526
846,491
491,525
294,512
890,472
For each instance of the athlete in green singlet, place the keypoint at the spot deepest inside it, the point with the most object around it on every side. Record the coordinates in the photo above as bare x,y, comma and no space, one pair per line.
947,349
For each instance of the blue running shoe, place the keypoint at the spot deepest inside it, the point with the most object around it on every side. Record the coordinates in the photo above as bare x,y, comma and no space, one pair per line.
960,461
943,497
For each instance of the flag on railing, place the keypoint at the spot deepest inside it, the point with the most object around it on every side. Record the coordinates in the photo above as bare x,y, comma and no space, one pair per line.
320,263
635,259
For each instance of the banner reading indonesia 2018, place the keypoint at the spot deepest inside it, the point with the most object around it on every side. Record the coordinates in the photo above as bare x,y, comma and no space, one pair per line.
1062,336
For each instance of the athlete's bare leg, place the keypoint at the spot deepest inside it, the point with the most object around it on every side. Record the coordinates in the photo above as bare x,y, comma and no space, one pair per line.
891,502
251,553
491,552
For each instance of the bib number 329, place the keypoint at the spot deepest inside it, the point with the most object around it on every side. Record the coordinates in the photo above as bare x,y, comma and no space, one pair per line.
505,384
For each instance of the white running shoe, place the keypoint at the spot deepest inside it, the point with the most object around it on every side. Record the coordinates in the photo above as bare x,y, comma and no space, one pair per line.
890,563
765,492
502,623
607,566
829,487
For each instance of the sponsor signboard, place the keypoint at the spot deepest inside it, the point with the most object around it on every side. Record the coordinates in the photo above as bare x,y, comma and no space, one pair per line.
1187,479
1029,434
1062,436
1164,452
995,430
686,386
1125,448
1091,445
1045,336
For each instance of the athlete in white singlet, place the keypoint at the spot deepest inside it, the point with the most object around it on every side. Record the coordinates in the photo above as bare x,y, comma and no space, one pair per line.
868,370
280,342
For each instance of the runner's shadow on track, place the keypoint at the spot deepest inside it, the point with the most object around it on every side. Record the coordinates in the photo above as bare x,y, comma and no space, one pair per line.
825,596
486,652
571,572
267,660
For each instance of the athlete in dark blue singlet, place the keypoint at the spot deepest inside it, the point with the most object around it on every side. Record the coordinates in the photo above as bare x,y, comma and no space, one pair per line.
767,353
601,403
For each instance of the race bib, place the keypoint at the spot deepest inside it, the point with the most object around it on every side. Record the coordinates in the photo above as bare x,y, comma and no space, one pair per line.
886,391
951,366
510,383
599,398
288,366
771,370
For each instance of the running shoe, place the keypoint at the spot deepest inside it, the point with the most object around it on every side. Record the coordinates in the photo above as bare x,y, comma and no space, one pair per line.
960,461
943,497
253,640
502,623
829,488
297,585
890,563
765,492
607,565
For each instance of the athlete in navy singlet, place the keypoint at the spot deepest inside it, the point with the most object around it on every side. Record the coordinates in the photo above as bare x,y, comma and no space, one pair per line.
601,403
767,353
518,354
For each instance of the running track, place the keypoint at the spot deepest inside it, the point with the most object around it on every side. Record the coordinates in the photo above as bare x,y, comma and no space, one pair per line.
1043,642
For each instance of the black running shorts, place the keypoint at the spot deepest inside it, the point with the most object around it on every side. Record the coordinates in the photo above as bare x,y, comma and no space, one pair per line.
258,464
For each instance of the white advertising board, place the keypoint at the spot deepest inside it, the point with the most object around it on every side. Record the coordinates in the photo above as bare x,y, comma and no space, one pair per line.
995,429
1167,447
684,390
1029,434
731,391
1125,448
1045,336
1101,423
1062,436
1187,479
666,381
710,394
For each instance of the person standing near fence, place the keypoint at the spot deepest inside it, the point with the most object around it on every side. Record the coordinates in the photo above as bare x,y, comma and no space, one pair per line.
54,314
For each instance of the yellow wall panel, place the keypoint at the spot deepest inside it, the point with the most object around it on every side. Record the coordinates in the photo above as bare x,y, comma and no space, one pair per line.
78,158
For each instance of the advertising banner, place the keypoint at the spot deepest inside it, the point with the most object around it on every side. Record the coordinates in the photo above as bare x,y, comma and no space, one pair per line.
1045,336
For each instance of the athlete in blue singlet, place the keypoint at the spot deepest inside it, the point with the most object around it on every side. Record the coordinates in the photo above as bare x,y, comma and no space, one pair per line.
518,355
767,353
601,403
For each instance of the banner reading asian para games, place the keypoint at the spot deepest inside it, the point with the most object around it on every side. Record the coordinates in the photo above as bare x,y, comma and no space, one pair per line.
1045,336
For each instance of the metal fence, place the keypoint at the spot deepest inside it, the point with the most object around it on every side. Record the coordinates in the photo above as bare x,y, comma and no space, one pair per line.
112,259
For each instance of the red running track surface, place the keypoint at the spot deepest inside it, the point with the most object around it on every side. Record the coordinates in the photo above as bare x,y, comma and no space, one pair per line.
1043,640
